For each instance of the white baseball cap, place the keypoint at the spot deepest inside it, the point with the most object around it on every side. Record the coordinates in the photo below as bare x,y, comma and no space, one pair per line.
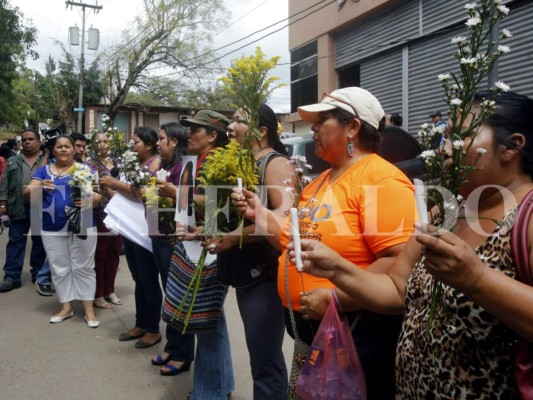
355,100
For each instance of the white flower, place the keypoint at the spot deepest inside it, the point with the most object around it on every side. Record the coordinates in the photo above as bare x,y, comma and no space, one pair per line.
307,179
308,166
504,10
502,86
458,144
287,181
443,77
105,118
470,6
473,21
439,129
456,102
459,40
468,61
427,154
424,125
289,189
455,86
481,150
497,1
504,49
506,33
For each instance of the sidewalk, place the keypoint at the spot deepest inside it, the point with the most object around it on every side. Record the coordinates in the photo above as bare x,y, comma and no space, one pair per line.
69,361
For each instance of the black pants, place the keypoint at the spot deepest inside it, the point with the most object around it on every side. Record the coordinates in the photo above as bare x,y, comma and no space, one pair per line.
375,337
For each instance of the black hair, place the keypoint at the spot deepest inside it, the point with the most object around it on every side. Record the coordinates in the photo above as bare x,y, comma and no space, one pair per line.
37,136
5,151
176,131
369,137
268,119
222,136
396,119
64,137
513,114
78,136
148,136
11,143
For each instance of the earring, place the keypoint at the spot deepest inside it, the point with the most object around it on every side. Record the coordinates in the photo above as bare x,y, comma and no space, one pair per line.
350,148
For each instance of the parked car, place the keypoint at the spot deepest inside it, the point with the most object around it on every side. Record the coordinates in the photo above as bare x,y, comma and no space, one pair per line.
397,147
305,146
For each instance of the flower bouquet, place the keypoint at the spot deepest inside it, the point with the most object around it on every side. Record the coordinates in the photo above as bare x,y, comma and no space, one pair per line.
81,184
217,178
155,203
447,169
133,171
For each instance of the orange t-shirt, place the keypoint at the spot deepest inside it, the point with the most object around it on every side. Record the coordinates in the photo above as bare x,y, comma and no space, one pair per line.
369,208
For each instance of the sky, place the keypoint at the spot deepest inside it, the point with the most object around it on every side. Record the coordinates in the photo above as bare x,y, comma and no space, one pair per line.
52,18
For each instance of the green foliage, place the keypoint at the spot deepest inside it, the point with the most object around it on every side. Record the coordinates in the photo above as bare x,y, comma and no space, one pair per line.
171,34
17,39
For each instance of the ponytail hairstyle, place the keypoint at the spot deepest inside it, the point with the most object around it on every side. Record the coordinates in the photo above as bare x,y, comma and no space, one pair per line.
268,119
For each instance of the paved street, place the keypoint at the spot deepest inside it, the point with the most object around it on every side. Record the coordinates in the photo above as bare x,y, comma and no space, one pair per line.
71,361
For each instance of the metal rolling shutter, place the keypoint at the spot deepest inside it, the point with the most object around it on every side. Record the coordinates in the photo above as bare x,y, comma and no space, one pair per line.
382,76
438,14
376,35
427,60
515,67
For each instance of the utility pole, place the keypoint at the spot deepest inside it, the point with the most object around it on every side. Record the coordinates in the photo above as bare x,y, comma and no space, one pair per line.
97,8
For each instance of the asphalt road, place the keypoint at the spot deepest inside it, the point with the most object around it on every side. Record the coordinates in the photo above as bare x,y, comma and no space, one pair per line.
67,361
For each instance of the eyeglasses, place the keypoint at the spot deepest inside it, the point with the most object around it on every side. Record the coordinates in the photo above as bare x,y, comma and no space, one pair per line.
325,95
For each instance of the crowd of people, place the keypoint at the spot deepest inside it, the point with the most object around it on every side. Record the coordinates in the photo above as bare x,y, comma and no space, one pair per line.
359,234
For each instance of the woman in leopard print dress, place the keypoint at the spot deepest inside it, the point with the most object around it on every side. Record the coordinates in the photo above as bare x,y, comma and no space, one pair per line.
466,352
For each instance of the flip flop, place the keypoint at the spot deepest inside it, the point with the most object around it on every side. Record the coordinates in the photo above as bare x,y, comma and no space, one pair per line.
159,360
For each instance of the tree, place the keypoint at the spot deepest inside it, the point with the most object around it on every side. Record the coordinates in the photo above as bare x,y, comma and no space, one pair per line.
169,33
17,40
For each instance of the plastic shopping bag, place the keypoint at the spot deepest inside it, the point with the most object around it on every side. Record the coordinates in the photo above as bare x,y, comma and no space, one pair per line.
332,370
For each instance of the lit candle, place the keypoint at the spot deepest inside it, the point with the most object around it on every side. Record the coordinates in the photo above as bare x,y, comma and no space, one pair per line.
295,231
239,184
421,201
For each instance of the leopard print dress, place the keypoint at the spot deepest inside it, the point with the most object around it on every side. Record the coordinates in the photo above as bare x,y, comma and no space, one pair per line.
467,354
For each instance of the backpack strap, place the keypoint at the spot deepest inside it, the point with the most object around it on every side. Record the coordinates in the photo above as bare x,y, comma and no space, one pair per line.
519,239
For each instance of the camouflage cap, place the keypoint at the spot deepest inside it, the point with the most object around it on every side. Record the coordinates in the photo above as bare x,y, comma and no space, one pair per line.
209,119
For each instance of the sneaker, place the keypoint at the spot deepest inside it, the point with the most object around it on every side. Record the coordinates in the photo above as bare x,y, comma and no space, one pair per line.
7,285
44,290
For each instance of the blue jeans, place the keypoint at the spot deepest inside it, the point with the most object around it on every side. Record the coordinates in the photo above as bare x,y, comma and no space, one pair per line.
213,371
44,276
264,327
16,248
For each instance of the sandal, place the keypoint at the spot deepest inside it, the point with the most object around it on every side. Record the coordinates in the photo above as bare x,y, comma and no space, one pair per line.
159,360
113,298
101,303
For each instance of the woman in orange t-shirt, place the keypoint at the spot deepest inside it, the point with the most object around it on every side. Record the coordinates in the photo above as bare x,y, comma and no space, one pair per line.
363,207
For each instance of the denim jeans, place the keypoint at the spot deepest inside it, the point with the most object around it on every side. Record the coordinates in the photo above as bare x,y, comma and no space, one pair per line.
44,276
213,371
16,248
179,345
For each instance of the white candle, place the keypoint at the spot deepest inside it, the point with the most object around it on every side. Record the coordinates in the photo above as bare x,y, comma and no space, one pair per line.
96,177
161,175
295,231
239,184
421,201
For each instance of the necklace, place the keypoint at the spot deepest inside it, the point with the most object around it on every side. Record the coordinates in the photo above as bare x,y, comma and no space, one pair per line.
258,155
61,172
